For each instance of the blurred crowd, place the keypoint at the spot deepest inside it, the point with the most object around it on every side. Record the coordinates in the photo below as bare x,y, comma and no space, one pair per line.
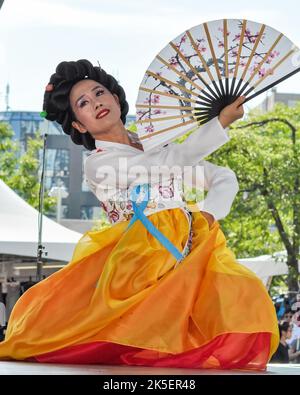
288,315
10,291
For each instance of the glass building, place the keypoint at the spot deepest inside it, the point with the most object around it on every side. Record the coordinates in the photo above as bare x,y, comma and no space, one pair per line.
64,162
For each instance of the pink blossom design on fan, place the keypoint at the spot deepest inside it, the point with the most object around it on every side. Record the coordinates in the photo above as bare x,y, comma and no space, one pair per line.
272,56
250,39
200,45
201,48
222,31
173,61
256,69
149,129
155,99
148,112
182,40
221,42
158,73
234,53
263,71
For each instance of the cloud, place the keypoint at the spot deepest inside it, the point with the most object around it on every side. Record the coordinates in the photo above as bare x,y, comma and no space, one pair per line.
124,35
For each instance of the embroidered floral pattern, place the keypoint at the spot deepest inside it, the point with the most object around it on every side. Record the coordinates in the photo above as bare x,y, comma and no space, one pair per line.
161,197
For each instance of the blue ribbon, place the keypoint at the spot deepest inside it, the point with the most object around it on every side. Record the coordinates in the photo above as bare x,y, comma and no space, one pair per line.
138,210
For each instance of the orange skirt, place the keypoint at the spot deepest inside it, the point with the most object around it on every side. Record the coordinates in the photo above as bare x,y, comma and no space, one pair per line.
123,300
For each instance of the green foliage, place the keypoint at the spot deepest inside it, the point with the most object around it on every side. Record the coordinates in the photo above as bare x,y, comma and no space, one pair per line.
8,151
132,127
101,223
279,285
263,159
20,170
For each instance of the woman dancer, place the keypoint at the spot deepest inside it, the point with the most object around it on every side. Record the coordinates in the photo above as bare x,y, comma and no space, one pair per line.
160,287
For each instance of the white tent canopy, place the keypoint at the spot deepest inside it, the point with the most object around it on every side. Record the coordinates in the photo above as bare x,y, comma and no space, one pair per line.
19,229
266,266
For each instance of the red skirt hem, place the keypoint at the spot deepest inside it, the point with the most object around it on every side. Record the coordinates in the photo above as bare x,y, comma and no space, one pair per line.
227,351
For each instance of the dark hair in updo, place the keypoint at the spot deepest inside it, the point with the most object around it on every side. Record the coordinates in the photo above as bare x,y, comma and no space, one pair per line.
57,102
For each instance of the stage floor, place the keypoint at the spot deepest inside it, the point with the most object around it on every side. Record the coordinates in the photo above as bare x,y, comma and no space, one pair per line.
27,368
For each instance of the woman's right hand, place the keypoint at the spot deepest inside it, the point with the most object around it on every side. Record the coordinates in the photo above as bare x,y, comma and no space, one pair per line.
232,112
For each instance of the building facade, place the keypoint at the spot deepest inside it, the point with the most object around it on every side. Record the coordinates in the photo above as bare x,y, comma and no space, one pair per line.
273,97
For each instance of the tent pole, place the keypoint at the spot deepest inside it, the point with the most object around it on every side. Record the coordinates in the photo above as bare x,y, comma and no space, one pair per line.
39,266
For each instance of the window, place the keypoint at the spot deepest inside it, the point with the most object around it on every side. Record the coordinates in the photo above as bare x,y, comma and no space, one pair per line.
57,168
52,212
90,212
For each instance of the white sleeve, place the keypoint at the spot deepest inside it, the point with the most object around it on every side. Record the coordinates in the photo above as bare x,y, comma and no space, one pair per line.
197,146
221,184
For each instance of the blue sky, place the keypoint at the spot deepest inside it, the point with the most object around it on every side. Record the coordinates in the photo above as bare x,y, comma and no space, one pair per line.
124,35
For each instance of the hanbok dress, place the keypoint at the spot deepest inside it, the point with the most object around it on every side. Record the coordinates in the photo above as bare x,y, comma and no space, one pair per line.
159,287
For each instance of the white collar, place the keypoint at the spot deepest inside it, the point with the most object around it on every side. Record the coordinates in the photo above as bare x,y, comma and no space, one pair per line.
111,144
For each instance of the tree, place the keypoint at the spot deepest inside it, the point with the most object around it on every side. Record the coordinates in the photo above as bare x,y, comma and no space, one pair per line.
8,152
265,217
20,171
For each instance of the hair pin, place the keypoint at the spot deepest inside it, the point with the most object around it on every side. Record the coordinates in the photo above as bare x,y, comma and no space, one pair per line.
99,65
49,87
43,114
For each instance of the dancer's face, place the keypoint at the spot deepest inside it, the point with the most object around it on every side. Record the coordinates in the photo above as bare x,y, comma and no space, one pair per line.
87,99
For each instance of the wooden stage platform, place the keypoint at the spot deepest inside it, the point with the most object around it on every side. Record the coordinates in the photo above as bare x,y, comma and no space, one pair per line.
27,368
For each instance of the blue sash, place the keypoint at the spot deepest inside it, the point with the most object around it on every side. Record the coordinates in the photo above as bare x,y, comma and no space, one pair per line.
138,210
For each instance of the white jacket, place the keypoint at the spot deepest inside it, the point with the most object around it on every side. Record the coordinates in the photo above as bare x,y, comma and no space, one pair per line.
115,167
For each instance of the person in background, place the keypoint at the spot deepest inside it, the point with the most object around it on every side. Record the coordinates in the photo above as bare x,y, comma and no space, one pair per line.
13,294
296,304
280,307
295,350
2,320
288,315
27,284
295,322
282,353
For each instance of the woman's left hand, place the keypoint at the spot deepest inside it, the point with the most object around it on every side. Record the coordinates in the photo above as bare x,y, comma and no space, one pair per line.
232,112
210,218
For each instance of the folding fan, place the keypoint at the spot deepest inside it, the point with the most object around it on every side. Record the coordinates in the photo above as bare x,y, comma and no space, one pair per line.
206,68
